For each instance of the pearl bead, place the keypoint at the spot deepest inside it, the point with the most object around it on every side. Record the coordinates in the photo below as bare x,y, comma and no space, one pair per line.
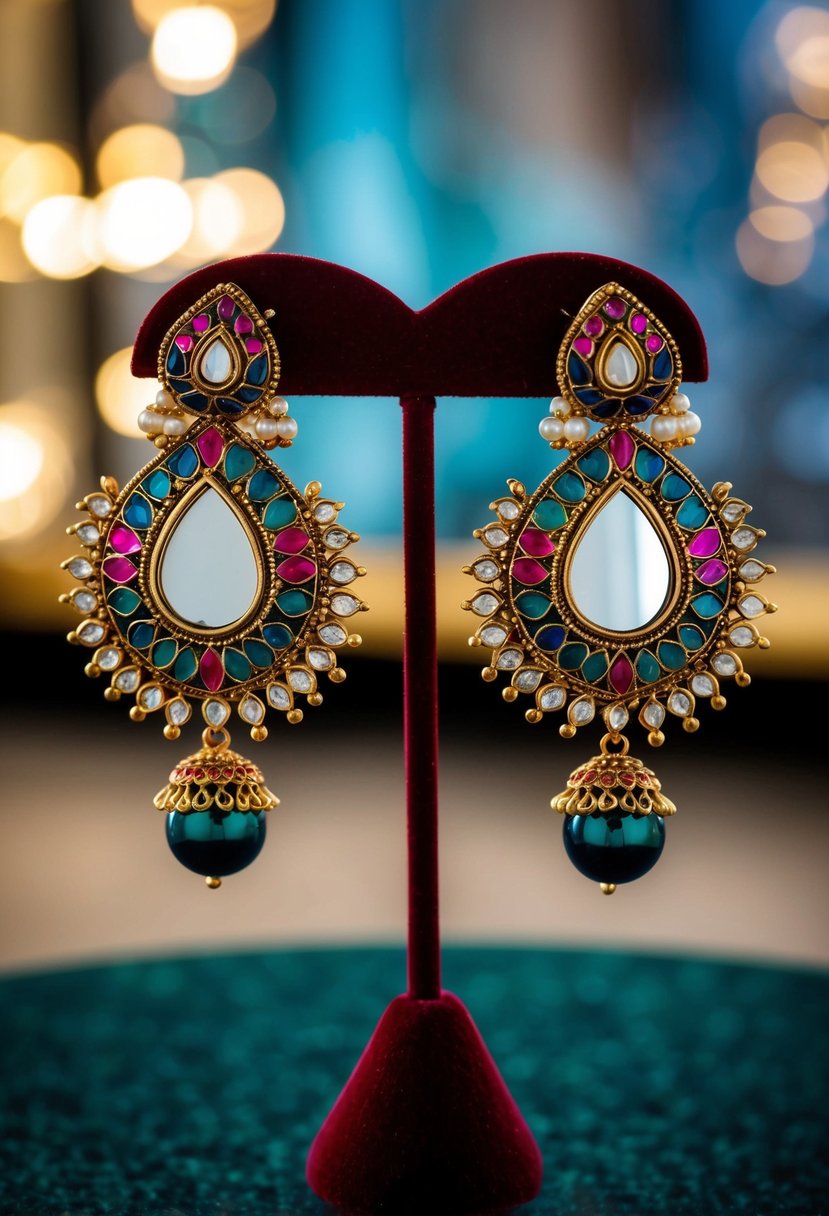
267,428
680,403
576,429
559,407
150,423
287,428
278,406
164,400
663,428
174,426
551,429
690,423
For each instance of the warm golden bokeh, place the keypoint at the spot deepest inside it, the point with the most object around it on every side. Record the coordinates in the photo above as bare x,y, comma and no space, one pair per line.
782,223
36,172
140,150
35,468
142,222
60,236
194,48
772,261
120,396
262,209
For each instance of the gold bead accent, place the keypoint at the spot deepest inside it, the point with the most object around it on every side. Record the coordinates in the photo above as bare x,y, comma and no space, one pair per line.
294,716
607,888
213,883
259,733
171,732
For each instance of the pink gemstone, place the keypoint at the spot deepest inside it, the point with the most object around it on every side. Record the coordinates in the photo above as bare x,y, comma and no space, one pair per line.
621,674
705,543
243,324
184,342
253,346
654,343
615,309
119,569
527,570
201,322
211,445
296,569
594,326
292,540
583,347
712,571
225,309
638,322
123,540
211,671
536,543
622,448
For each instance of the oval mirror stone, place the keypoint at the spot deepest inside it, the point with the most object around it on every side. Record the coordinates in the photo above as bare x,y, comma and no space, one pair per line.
209,574
620,577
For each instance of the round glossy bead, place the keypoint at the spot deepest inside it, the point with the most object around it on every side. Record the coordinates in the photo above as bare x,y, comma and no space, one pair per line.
150,423
690,423
560,408
174,426
287,428
614,848
164,400
267,428
216,843
680,403
551,429
663,428
576,429
278,407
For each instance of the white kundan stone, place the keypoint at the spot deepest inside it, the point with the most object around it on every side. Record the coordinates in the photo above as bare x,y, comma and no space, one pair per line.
620,367
150,697
279,696
493,635
215,364
108,659
126,680
324,512
751,570
178,712
300,681
343,572
741,636
679,703
251,710
617,717
743,538
88,534
703,686
320,660
332,635
527,681
344,605
486,569
100,505
553,697
734,511
508,509
79,567
495,536
84,601
582,711
724,664
751,606
509,660
485,603
216,713
335,538
91,633
654,715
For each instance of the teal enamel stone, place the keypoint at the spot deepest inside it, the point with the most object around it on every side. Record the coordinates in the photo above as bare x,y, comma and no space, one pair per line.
532,604
186,665
279,513
674,487
595,465
691,637
239,461
293,603
258,653
215,843
550,515
570,487
692,514
141,634
236,665
705,626
614,848
671,655
263,485
278,636
647,668
707,605
157,484
571,656
648,464
138,513
123,600
164,652
594,667
183,462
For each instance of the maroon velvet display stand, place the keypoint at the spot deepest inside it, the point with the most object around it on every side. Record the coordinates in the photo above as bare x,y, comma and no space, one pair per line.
425,1123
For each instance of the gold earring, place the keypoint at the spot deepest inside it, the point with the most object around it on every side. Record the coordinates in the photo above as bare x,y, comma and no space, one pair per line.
211,579
619,587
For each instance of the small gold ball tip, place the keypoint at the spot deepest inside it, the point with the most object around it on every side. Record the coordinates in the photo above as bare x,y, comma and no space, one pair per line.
213,883
607,888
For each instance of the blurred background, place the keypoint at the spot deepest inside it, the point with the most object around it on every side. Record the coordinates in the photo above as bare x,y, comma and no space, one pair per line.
417,143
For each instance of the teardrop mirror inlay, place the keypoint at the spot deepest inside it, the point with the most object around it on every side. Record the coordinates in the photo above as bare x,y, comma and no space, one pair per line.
216,364
621,369
619,575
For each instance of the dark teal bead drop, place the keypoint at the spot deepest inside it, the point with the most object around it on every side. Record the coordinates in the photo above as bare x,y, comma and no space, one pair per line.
614,848
215,843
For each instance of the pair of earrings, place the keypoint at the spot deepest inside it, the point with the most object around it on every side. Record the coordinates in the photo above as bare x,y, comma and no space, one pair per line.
173,619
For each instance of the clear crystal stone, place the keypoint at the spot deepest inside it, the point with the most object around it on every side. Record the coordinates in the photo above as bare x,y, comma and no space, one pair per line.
743,538
495,536
751,570
88,534
724,664
324,512
553,697
582,711
300,681
616,717
344,605
485,603
100,505
508,660
620,367
79,567
703,686
150,697
91,633
741,636
527,681
126,680
216,713
734,511
343,572
508,509
332,635
493,635
751,606
252,710
320,660
279,697
178,712
84,601
335,538
108,658
679,703
654,715
486,569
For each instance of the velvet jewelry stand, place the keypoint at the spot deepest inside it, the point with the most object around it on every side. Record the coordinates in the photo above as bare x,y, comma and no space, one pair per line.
425,1123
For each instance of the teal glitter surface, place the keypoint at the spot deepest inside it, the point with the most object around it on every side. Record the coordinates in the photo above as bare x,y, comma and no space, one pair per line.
194,1087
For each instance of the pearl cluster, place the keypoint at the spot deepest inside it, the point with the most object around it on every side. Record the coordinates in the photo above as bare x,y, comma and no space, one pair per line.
272,425
562,427
678,427
163,419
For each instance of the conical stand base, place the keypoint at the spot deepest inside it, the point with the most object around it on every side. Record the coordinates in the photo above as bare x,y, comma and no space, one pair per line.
425,1123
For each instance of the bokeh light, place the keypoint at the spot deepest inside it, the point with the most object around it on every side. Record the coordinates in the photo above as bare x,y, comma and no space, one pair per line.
772,261
262,209
133,96
120,396
35,469
194,48
793,171
802,40
251,17
142,222
14,265
37,171
140,150
218,220
782,223
59,236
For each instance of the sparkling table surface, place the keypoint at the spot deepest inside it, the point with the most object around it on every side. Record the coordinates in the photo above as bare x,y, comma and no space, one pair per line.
193,1087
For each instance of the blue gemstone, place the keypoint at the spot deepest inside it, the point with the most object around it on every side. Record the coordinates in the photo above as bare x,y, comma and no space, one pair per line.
279,513
186,666
648,464
258,653
636,406
248,395
706,605
176,362
594,668
278,636
549,515
589,396
236,665
123,600
663,365
228,406
164,652
216,844
614,848
138,513
141,634
578,372
647,668
263,485
674,487
238,461
157,484
183,462
181,386
571,656
691,637
293,603
595,464
195,401
692,514
570,487
609,410
258,370
533,604
550,637
671,655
